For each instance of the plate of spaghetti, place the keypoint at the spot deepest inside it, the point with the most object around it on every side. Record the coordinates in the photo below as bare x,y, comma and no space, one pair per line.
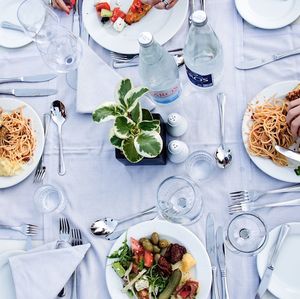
264,125
21,141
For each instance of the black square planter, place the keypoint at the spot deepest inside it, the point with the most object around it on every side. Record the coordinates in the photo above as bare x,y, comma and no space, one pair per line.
161,159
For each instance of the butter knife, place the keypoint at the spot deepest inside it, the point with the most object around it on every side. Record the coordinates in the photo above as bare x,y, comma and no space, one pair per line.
75,24
263,286
28,92
11,26
222,262
254,63
29,79
288,153
211,250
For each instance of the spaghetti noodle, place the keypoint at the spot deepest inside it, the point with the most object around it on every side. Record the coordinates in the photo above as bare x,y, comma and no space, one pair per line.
17,141
269,128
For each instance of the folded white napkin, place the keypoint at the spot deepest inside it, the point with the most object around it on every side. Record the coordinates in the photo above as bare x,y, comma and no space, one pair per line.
42,272
96,81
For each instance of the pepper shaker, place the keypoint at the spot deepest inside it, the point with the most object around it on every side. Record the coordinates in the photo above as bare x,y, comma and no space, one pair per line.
176,125
178,151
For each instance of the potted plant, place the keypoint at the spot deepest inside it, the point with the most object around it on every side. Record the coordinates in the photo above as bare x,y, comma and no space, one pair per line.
137,135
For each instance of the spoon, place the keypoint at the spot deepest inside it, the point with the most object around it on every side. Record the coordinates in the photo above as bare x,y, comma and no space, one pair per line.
106,226
223,154
58,115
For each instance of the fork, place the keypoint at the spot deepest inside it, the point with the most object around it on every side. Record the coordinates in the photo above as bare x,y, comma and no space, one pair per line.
76,240
41,168
253,195
248,206
25,229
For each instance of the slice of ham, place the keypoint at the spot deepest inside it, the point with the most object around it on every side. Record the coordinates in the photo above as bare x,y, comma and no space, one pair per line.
188,290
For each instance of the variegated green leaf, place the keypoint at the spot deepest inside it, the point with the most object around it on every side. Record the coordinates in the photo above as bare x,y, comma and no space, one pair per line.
136,113
122,126
148,144
149,125
123,88
129,151
115,141
105,112
147,114
133,96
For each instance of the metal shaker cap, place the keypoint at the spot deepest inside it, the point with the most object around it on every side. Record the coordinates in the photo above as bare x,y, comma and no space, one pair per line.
145,39
199,18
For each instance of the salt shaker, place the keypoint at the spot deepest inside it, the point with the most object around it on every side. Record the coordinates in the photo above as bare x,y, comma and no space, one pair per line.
178,151
176,125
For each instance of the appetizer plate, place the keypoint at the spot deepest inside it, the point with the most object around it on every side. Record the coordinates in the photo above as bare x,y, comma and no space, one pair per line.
269,14
278,90
175,233
8,105
285,280
163,24
11,38
7,289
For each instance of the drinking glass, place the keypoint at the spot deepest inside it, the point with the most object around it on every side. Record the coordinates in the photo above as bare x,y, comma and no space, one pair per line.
179,201
246,234
37,19
49,199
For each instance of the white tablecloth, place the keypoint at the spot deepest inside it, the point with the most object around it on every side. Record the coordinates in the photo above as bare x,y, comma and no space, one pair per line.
97,185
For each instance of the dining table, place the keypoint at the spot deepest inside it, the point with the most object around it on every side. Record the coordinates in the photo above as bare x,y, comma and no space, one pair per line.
96,185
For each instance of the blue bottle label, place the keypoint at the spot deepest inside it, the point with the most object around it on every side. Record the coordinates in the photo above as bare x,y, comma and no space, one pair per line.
166,96
200,80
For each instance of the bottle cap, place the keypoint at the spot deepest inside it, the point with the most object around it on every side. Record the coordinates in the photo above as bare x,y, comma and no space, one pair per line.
199,17
145,39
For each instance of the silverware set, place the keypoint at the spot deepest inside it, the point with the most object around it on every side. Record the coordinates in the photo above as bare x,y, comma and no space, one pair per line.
216,250
69,237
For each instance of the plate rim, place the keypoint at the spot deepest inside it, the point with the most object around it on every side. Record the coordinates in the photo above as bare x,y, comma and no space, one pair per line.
259,261
239,7
160,222
178,26
14,180
258,161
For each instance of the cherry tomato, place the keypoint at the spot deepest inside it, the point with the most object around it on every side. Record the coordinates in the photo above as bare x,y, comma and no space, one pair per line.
102,5
136,246
117,13
148,259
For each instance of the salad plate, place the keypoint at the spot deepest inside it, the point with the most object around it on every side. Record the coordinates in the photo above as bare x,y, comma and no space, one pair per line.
163,24
175,233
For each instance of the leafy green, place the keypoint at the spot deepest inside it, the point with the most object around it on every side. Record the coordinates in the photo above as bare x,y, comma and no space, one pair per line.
297,170
124,87
123,255
156,280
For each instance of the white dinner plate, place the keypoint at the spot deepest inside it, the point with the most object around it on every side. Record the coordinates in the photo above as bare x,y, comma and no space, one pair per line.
37,126
11,38
269,14
285,280
163,24
7,289
278,90
175,233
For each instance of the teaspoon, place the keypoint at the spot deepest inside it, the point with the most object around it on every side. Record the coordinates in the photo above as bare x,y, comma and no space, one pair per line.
58,115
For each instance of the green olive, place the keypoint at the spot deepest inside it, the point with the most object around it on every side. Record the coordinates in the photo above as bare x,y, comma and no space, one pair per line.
156,249
142,239
156,257
154,238
163,243
147,245
163,251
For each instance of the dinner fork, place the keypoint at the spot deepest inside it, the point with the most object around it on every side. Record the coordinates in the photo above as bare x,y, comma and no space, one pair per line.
76,240
41,168
248,206
25,229
253,195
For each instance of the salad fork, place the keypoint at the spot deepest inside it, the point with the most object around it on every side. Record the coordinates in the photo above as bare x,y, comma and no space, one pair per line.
247,206
25,229
253,195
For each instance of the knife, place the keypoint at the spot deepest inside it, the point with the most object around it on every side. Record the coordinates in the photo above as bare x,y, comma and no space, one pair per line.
222,262
211,250
75,24
254,63
270,267
29,79
28,92
288,153
11,26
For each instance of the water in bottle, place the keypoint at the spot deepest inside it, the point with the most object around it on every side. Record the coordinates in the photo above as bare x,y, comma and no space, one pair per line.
158,70
203,53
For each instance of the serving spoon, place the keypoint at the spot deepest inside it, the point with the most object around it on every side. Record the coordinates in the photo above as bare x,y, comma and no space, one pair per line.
58,115
107,226
223,154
